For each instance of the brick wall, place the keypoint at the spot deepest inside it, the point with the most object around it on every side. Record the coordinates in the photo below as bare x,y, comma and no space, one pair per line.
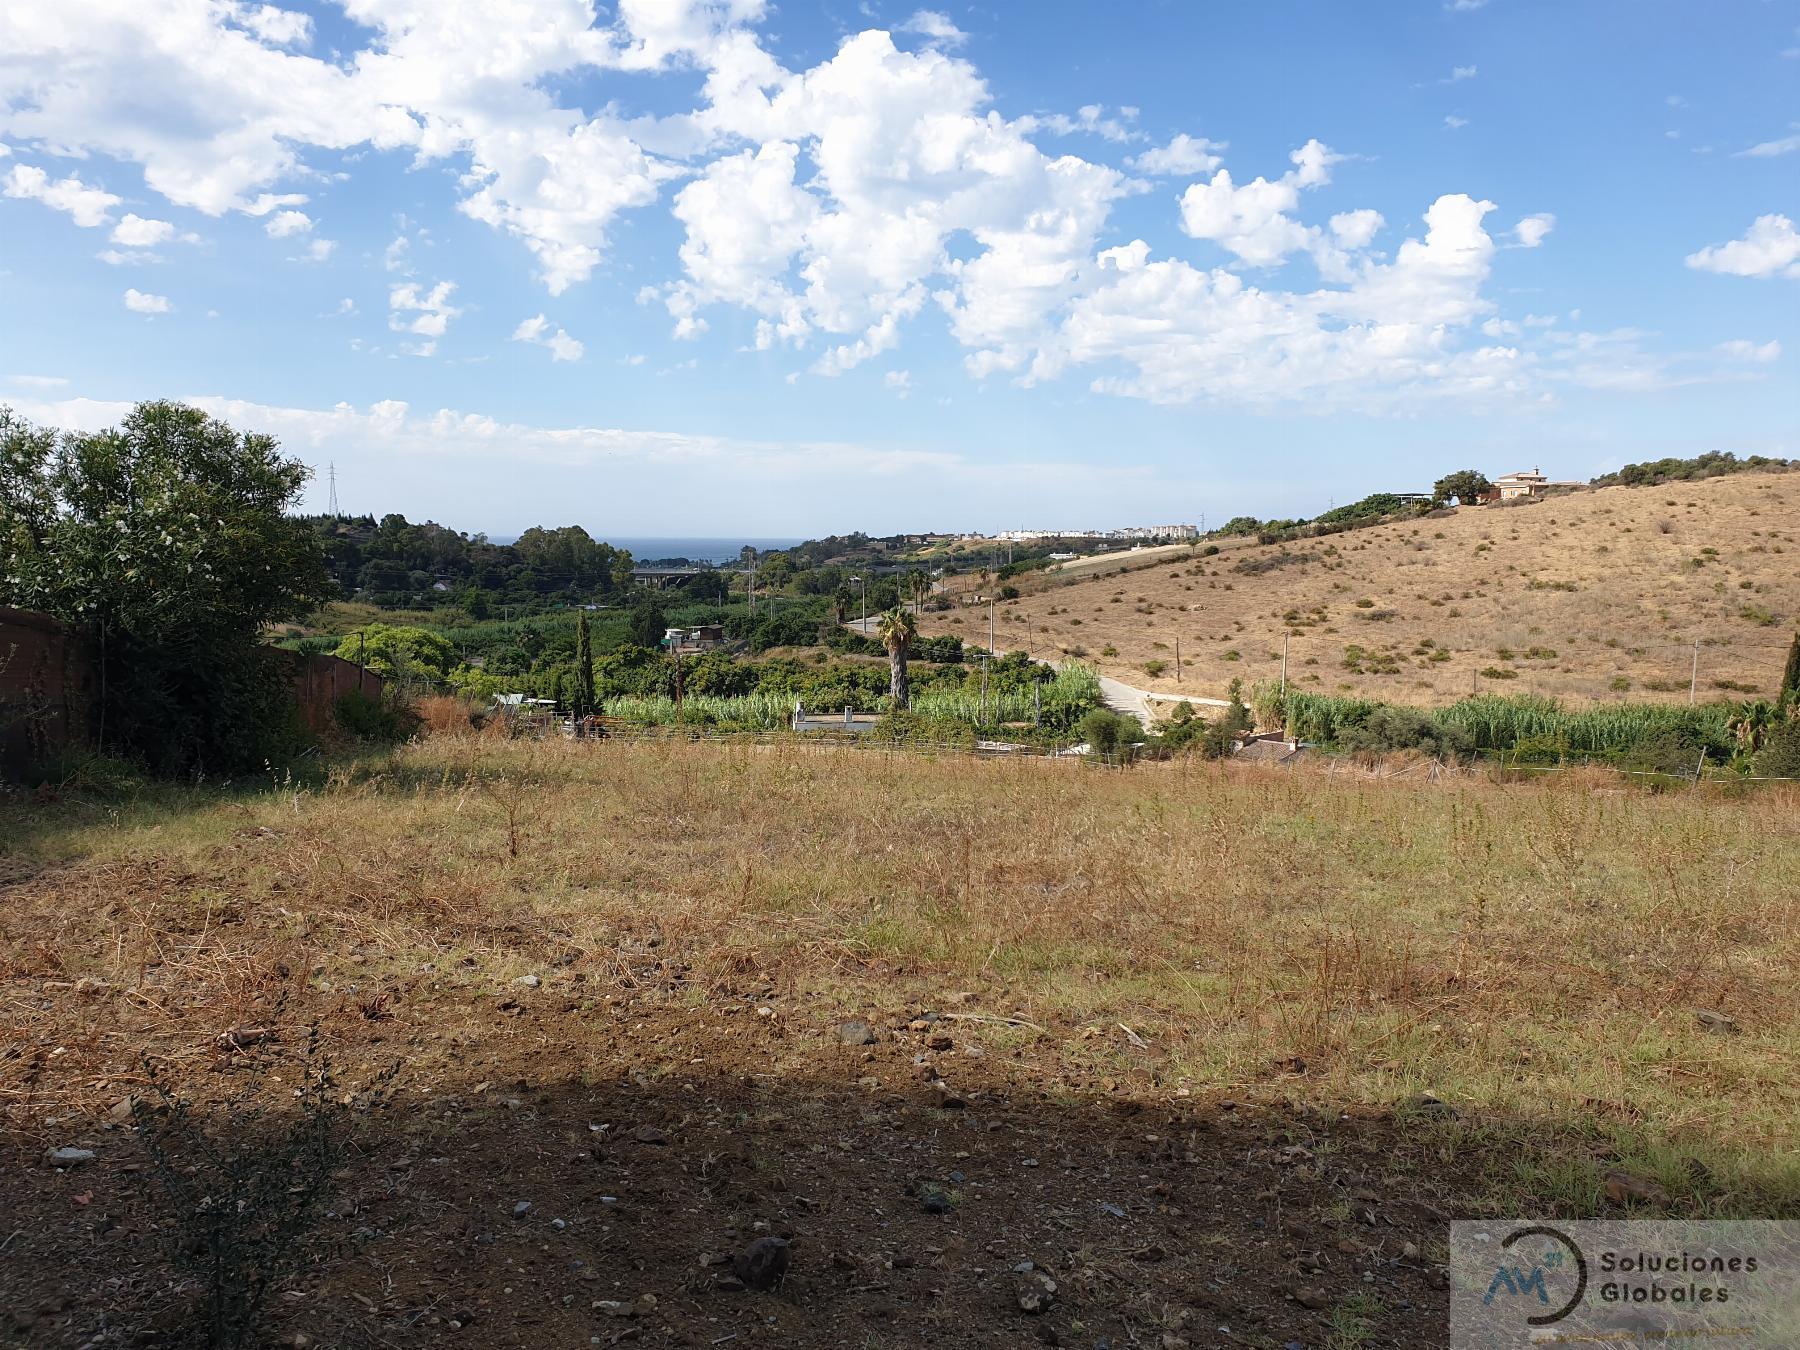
47,689
320,681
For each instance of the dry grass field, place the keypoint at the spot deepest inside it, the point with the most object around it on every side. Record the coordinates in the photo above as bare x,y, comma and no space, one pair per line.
1593,596
1209,1044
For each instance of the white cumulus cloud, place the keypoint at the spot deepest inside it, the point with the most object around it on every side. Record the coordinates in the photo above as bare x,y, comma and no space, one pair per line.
541,332
422,313
1533,230
88,207
934,27
136,232
1183,154
140,303
1769,248
1253,220
285,223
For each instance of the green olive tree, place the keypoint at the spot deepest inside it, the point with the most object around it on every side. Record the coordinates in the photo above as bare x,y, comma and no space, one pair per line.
167,540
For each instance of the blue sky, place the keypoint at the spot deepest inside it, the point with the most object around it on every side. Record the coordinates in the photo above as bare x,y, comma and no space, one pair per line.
746,268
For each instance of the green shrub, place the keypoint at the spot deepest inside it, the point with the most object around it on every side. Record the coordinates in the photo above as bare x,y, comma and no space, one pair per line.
87,771
1108,734
1665,752
1222,731
1155,667
1780,757
1389,729
385,720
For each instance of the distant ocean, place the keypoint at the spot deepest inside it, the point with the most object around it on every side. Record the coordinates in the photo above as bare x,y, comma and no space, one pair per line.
700,550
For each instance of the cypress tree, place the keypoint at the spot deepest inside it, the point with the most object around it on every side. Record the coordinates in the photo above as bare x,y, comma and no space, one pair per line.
584,668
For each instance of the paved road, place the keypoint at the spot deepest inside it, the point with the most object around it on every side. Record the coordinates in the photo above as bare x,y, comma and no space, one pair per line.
1133,702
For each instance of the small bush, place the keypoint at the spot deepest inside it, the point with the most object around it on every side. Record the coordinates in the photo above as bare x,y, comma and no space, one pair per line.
385,720
1665,752
95,774
1107,734
1222,732
1780,757
1388,729
1155,667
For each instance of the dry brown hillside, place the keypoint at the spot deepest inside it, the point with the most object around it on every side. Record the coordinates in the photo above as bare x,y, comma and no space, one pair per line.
1595,595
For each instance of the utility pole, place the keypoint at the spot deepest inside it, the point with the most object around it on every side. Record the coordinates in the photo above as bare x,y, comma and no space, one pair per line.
331,477
1177,660
1694,675
1284,645
863,582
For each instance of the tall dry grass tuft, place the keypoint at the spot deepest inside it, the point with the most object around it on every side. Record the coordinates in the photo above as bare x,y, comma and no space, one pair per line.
440,714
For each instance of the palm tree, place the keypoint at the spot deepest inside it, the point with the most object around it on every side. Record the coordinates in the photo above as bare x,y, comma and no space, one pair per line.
897,630
918,586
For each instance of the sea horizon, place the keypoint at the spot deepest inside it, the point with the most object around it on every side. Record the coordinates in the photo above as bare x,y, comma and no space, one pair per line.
715,549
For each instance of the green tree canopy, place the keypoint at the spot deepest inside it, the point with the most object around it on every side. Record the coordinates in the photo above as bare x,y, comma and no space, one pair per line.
1465,486
167,539
395,652
648,623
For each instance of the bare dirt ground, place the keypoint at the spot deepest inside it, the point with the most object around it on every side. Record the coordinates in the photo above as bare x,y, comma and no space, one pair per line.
1593,596
653,1143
